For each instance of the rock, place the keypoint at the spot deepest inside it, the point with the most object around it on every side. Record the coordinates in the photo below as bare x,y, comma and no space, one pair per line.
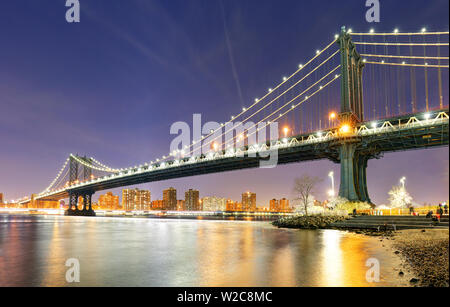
401,273
414,280
396,252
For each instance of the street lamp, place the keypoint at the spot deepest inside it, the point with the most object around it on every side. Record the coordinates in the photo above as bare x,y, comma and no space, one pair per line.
331,175
402,181
285,130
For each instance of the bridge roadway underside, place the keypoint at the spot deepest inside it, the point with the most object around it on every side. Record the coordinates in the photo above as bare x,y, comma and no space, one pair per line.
352,152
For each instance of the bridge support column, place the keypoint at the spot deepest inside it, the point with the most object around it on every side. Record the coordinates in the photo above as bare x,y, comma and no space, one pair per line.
349,175
353,173
362,179
73,202
87,204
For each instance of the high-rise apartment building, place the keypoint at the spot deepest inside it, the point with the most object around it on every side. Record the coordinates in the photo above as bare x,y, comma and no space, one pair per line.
135,199
284,205
274,205
180,205
108,201
281,205
249,201
214,204
170,199
191,200
157,204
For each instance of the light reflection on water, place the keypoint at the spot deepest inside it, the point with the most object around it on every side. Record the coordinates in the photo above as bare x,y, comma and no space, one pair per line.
149,252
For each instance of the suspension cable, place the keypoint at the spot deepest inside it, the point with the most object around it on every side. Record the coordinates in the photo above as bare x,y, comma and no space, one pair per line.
407,64
295,98
404,57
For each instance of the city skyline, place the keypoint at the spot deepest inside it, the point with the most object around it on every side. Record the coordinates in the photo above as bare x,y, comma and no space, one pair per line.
27,92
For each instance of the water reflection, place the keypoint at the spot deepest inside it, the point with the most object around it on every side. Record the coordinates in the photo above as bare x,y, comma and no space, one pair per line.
174,252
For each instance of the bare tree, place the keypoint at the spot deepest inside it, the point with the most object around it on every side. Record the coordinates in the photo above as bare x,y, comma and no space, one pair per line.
303,190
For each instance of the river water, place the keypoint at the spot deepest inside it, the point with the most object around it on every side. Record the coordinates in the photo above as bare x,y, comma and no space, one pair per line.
168,252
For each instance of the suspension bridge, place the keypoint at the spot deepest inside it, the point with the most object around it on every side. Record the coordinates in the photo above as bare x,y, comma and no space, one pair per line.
390,97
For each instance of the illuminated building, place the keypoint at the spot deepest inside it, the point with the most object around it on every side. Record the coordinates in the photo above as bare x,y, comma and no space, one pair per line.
233,206
157,204
135,199
274,205
191,201
180,205
108,201
214,204
42,204
1,198
284,205
249,202
281,205
170,199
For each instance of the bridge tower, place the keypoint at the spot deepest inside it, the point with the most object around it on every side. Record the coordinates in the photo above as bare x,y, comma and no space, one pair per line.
353,184
74,195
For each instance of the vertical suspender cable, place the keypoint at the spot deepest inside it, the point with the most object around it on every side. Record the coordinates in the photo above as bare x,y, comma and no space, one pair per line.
426,76
441,99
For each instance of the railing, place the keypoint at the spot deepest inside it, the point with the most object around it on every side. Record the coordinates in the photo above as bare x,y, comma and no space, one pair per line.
422,211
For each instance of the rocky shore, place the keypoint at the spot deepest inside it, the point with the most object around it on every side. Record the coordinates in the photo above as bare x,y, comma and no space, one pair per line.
307,222
427,253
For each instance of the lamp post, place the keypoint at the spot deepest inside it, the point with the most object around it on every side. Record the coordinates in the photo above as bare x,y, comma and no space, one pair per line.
331,175
402,181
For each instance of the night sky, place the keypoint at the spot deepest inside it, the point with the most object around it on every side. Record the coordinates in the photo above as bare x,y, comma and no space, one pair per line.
111,86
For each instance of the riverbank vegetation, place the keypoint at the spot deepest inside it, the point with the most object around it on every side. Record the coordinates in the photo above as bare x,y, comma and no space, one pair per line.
309,222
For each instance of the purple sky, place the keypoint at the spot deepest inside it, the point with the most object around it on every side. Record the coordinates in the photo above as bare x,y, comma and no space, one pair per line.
111,86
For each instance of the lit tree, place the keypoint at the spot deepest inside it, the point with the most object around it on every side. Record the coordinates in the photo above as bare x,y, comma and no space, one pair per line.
336,201
399,197
303,190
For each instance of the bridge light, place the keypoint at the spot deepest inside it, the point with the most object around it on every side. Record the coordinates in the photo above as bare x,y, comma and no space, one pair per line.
244,109
395,30
285,140
349,30
319,134
317,51
345,128
336,36
372,30
284,78
285,130
256,99
270,90
300,66
427,115
374,125
424,30
332,115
